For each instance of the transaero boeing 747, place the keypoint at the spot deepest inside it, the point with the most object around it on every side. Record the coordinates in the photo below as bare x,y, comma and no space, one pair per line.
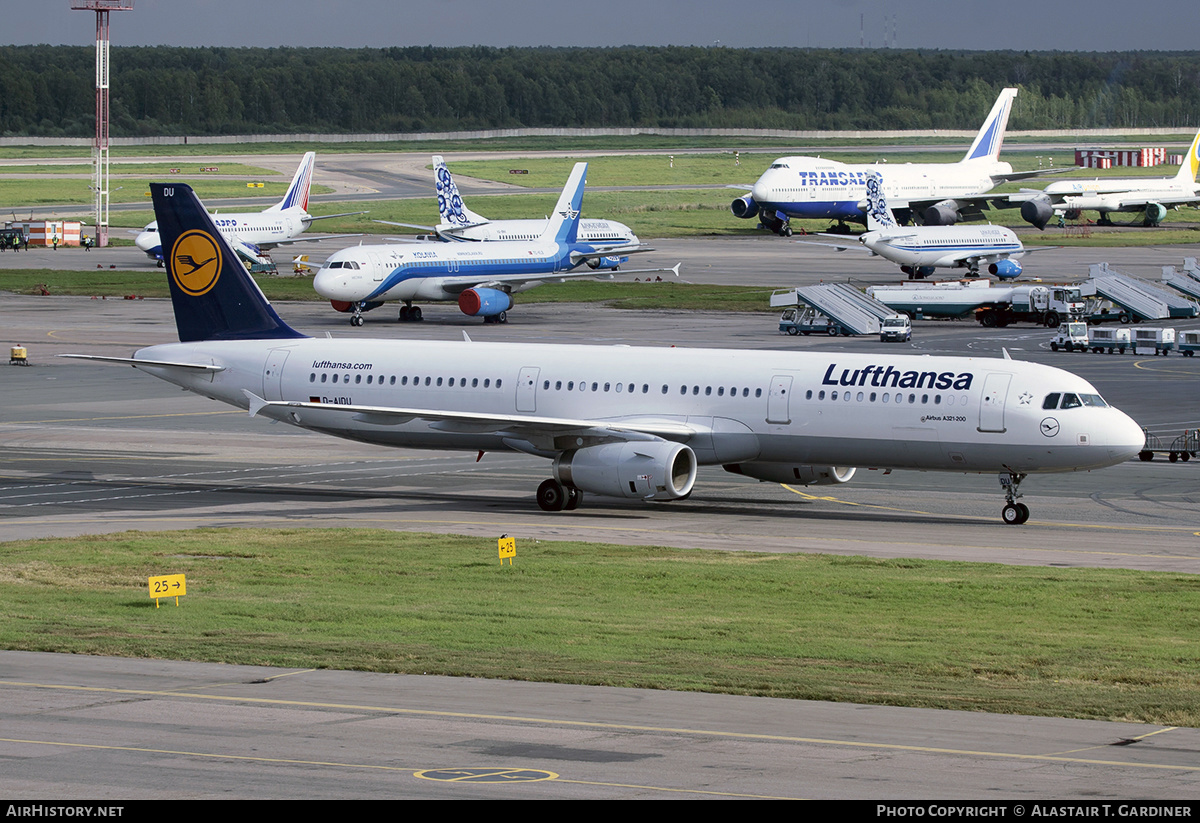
937,194
622,421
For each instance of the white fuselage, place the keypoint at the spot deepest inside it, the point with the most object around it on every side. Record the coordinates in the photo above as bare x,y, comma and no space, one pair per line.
1112,194
873,410
943,246
601,232
251,229
812,187
410,271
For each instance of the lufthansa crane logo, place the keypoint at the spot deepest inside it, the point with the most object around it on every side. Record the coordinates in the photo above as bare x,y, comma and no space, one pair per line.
196,262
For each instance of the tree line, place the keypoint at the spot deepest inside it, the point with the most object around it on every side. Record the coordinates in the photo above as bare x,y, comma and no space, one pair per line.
49,90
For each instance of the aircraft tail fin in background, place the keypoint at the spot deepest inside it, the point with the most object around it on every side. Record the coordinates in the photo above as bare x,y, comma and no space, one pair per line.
213,295
1191,163
991,136
450,204
879,216
297,193
564,220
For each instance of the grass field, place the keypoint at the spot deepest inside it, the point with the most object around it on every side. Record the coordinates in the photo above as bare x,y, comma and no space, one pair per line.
1106,644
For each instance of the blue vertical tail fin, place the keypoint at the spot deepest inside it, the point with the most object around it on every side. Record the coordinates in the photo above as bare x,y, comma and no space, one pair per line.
213,295
564,221
991,136
297,193
879,216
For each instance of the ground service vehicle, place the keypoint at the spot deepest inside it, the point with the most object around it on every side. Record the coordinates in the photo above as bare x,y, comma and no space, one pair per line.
896,328
1070,336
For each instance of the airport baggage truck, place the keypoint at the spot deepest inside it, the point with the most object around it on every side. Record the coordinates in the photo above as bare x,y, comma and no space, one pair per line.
1153,341
1070,336
1189,342
1106,341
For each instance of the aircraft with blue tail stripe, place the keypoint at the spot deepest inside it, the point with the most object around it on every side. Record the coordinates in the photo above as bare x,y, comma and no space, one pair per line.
480,277
253,233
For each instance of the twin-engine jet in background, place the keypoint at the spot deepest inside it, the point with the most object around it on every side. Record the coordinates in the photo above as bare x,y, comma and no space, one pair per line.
621,421
936,194
1149,195
251,233
480,277
460,223
919,250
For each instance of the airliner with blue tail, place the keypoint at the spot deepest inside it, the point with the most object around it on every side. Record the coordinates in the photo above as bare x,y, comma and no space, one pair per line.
619,421
936,194
480,277
252,233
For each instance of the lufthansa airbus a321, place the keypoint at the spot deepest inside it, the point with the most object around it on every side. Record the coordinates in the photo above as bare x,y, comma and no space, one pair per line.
622,421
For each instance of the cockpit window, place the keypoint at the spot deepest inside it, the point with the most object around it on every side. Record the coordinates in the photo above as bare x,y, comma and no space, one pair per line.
1094,400
1051,401
779,165
336,264
1071,401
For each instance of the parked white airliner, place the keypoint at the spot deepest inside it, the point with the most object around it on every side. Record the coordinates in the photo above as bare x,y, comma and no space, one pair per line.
919,250
1149,195
936,194
460,223
620,421
251,233
480,277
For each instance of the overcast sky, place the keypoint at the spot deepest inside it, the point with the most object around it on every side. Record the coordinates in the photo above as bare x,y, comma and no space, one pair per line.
1097,25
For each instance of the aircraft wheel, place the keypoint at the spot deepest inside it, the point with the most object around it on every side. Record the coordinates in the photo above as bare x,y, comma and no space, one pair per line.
551,496
1145,456
403,316
574,498
502,317
1015,514
414,314
787,231
356,320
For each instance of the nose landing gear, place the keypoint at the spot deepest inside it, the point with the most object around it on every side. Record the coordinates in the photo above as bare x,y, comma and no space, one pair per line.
1013,513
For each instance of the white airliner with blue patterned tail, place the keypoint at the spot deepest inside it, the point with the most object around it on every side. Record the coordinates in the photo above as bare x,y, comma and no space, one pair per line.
459,223
251,233
619,421
480,277
919,250
936,194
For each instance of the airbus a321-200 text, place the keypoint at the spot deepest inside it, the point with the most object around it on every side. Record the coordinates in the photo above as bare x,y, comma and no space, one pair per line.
626,422
935,194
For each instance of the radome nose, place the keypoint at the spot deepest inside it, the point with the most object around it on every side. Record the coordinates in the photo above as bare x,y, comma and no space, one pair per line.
1127,437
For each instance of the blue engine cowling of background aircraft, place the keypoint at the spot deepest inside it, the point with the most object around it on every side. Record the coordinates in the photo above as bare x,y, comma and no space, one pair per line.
484,302
744,207
611,262
1005,269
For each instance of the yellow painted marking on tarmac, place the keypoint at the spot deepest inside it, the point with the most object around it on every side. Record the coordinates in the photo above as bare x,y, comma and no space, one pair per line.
677,791
579,724
1108,745
1155,367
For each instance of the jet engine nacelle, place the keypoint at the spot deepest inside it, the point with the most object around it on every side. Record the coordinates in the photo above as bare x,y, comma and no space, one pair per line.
944,213
645,470
1005,269
345,306
606,262
481,302
1155,212
744,207
789,473
918,273
1037,211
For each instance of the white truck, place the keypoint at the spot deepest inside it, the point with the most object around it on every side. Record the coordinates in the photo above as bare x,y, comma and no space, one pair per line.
991,305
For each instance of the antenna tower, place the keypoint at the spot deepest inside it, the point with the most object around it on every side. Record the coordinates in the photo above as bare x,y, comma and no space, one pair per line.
100,145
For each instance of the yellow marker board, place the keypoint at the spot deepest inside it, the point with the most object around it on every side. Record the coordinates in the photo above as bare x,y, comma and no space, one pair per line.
508,548
167,585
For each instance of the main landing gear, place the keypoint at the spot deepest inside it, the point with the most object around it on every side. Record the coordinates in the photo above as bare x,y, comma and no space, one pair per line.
409,314
553,496
1014,513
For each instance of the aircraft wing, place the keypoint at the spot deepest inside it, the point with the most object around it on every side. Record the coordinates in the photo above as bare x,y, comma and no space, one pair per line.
855,246
314,217
307,238
541,432
454,285
1165,198
132,361
1014,176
